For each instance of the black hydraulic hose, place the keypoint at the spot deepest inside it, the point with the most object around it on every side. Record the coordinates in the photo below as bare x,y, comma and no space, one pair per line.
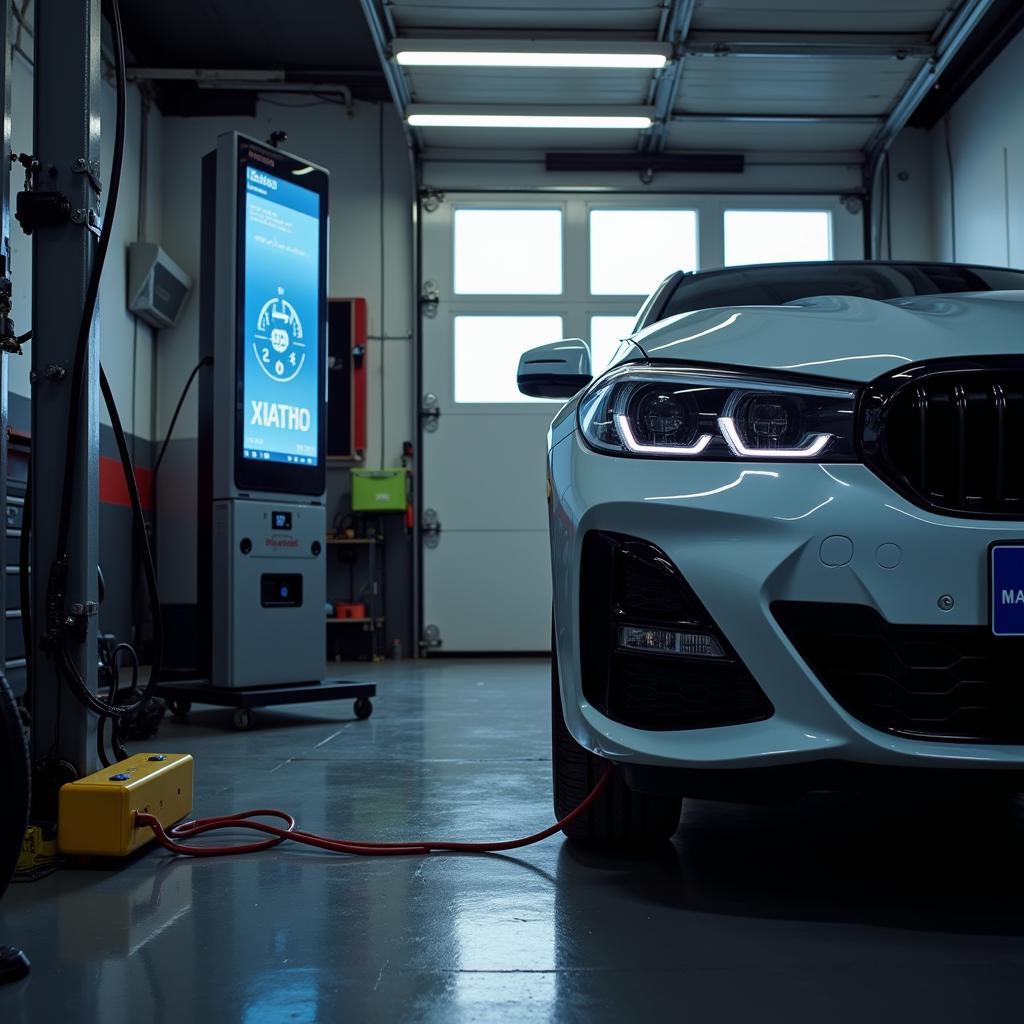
115,741
78,685
148,565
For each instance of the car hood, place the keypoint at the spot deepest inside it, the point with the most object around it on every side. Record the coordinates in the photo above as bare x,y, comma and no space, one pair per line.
840,337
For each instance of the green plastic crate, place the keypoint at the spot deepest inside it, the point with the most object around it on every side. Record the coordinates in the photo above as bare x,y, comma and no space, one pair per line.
378,490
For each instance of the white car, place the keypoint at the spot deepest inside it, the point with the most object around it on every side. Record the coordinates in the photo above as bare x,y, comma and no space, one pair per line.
787,538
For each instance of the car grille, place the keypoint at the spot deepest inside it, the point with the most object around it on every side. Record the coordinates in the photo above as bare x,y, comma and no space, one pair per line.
949,437
625,580
937,682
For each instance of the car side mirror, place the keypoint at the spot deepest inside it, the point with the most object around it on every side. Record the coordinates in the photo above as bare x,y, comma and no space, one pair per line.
558,370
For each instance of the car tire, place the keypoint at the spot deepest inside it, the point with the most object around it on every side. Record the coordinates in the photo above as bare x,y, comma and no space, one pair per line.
619,817
14,784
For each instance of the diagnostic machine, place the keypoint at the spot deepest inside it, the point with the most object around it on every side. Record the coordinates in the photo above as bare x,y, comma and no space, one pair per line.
261,567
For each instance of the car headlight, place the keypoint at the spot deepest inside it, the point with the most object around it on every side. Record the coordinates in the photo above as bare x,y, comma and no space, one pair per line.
714,414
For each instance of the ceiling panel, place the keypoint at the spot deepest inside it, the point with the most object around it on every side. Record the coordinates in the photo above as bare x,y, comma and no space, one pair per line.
724,137
511,87
856,91
820,15
525,16
754,85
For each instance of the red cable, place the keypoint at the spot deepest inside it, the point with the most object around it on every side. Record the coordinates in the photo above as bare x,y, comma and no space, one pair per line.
191,829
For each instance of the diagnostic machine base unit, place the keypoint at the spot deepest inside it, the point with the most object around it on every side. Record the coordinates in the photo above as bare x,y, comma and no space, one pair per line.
268,592
261,568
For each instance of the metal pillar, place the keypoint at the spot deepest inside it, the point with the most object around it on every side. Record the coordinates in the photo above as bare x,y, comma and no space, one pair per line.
67,130
5,289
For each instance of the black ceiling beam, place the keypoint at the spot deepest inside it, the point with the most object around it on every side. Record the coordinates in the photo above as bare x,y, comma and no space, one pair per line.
680,163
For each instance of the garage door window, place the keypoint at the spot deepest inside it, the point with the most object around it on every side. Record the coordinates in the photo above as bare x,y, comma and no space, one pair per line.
508,252
777,236
487,351
631,251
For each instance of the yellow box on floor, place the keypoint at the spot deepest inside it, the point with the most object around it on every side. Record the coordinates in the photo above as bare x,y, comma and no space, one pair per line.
96,815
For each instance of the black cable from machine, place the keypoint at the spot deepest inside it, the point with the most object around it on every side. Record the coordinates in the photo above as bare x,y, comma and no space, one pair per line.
205,361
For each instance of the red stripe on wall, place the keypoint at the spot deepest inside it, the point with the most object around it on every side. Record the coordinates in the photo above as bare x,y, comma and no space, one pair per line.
114,486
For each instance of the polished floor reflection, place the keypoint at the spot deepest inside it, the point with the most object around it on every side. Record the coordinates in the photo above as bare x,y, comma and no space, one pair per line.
831,909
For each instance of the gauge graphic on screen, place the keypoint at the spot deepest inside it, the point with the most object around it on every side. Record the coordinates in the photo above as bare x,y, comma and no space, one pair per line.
279,346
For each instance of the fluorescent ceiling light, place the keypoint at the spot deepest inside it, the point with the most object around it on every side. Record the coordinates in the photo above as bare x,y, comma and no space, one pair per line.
635,118
523,59
529,53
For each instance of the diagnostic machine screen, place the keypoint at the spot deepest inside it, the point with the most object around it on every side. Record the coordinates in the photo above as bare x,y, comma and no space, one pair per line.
282,378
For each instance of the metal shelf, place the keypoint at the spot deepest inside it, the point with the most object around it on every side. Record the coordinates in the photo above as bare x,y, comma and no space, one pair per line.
373,622
354,540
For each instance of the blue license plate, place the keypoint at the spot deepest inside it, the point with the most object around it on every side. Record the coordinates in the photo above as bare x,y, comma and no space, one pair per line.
1007,589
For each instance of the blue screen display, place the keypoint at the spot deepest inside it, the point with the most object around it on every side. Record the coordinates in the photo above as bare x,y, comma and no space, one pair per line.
282,380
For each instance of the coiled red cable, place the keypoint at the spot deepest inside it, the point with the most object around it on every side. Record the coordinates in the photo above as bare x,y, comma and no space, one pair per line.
171,839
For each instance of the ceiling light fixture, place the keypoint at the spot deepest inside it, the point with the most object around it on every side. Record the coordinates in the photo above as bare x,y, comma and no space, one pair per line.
530,53
468,116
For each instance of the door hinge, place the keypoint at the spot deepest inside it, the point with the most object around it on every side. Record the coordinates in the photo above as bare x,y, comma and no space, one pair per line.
430,528
431,200
429,298
430,413
431,639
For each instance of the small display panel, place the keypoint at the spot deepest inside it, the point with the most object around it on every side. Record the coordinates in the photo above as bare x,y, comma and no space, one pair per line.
281,520
281,307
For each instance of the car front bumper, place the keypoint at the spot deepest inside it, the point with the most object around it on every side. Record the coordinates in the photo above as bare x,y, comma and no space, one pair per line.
744,535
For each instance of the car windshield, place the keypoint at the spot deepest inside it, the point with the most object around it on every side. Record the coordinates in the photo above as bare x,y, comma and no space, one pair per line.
782,283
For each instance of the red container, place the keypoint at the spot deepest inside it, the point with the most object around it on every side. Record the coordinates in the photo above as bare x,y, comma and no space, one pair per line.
350,610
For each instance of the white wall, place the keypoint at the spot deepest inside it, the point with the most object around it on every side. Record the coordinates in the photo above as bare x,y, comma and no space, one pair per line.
910,178
986,141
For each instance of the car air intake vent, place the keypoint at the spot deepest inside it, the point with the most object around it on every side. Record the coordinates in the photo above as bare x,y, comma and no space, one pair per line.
676,669
948,436
956,683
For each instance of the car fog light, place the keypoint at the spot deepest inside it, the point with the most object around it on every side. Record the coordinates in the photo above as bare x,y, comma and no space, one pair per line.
669,641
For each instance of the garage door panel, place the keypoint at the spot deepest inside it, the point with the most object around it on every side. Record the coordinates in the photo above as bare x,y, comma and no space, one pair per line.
477,598
488,470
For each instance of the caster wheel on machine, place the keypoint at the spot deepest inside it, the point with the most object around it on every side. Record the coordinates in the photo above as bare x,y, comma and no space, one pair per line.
363,708
179,707
244,719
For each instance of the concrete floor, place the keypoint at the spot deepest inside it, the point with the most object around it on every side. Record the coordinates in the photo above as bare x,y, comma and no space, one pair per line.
827,910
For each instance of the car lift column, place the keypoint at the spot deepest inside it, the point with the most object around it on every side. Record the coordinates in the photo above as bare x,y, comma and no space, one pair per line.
67,146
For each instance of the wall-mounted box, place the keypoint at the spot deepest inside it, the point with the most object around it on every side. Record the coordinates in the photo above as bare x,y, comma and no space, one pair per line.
157,287
378,490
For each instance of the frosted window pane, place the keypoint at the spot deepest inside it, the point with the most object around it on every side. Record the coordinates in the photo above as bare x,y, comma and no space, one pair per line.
508,252
632,251
606,332
487,351
777,236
